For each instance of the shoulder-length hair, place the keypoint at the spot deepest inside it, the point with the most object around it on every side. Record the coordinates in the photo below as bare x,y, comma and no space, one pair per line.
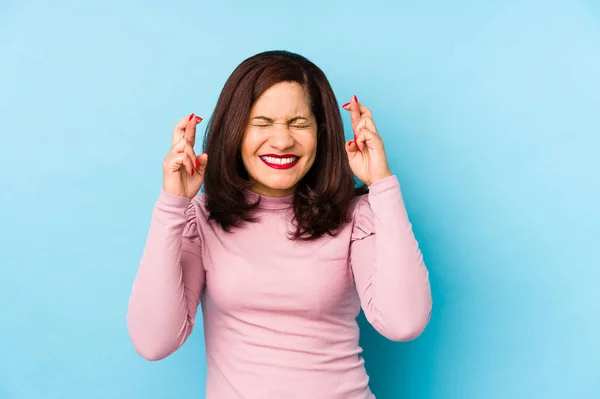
323,197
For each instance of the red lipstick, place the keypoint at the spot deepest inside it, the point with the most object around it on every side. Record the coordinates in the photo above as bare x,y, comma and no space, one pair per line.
279,156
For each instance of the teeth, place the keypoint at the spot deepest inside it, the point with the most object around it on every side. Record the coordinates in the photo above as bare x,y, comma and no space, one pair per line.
279,161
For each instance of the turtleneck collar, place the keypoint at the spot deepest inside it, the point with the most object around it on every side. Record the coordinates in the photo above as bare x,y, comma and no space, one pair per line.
267,202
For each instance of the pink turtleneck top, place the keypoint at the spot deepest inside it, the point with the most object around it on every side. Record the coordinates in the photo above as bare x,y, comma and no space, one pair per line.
279,315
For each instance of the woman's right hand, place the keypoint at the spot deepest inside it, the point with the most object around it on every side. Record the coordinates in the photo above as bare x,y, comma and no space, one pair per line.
183,171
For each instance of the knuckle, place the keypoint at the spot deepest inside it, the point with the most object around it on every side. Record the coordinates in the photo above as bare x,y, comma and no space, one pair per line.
180,145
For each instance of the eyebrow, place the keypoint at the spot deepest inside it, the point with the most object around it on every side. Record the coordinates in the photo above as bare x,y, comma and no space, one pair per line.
294,119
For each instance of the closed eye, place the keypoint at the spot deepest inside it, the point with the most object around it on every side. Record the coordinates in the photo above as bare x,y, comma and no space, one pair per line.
298,122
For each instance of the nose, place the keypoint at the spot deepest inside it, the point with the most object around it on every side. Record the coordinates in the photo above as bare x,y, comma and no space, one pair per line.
282,138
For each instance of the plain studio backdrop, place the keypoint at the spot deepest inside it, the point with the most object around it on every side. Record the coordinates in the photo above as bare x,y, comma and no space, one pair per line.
490,115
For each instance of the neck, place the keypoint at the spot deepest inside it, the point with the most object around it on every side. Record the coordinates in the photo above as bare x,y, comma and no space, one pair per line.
277,201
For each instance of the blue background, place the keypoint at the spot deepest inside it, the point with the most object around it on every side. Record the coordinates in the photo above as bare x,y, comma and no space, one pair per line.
490,114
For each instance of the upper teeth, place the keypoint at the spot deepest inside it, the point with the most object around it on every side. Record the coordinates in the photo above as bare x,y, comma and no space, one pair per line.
279,161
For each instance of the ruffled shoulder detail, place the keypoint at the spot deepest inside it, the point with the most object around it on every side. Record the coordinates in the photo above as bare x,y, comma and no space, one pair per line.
191,231
363,224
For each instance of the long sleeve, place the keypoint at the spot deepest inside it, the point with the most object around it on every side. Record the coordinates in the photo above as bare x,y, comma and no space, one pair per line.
169,282
390,275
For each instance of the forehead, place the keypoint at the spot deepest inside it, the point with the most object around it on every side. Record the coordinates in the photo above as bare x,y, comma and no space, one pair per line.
285,99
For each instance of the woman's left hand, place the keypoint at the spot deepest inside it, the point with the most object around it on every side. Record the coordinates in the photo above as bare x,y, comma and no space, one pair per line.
366,153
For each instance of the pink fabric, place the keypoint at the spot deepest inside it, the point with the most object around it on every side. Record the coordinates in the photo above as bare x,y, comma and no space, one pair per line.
279,316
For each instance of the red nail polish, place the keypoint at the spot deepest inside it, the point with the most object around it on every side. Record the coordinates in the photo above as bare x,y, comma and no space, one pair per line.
346,106
197,164
198,119
355,99
190,118
192,172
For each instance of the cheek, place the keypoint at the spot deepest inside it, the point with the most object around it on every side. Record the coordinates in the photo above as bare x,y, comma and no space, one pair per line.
250,144
310,146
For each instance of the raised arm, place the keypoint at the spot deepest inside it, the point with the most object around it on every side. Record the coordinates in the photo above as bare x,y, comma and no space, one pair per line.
170,279
389,272
169,282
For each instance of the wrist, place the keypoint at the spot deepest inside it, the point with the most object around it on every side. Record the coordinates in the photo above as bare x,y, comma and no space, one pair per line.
383,176
173,200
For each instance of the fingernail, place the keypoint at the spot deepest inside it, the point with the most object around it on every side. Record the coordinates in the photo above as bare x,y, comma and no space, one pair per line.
346,106
190,118
198,119
355,99
192,172
197,164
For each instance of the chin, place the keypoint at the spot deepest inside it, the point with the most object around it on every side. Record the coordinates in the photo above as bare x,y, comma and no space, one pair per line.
276,186
274,182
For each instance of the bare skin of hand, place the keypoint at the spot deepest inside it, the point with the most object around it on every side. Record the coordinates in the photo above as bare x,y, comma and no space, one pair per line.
183,170
366,152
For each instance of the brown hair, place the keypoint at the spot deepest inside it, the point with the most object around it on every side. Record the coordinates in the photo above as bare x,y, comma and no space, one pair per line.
323,197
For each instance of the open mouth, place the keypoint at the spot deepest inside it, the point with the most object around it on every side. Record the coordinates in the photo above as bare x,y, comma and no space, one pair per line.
279,161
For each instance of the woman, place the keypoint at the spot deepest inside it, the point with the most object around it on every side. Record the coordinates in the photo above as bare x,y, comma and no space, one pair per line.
281,250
